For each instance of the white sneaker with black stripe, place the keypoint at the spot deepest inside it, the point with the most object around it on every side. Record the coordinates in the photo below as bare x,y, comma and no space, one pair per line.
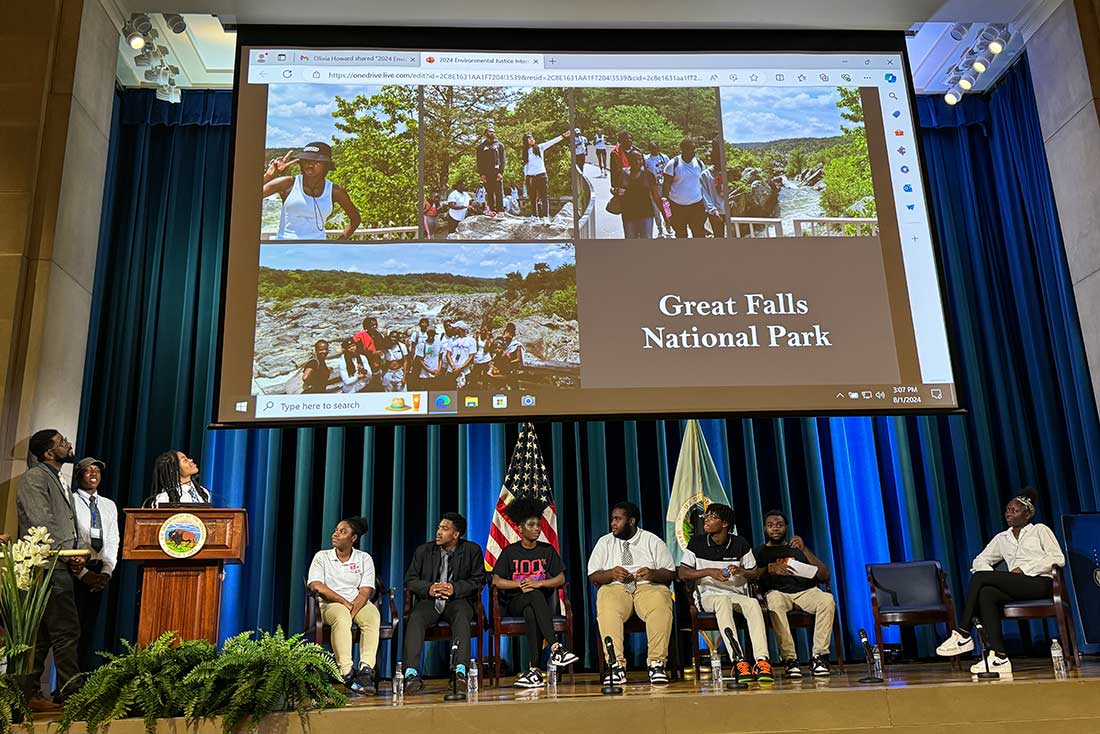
615,676
658,676
997,664
562,658
533,678
954,645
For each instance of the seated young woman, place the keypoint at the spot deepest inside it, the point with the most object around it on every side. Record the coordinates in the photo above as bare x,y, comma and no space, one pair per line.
1030,552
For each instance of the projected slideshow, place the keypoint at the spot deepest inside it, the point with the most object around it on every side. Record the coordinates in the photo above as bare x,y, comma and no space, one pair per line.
474,235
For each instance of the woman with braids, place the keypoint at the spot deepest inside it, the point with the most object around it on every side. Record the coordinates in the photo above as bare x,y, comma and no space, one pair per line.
529,573
342,578
176,480
1030,552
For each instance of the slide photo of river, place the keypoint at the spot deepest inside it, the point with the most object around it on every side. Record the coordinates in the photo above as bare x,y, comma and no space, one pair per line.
797,162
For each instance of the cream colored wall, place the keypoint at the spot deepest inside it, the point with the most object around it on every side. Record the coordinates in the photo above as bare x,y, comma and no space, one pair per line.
1065,67
57,71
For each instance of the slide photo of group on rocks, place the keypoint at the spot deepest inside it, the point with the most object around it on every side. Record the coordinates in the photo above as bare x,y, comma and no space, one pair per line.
382,317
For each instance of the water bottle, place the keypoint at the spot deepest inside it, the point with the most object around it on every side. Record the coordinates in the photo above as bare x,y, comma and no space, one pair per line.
471,677
877,657
715,668
399,683
1058,659
552,676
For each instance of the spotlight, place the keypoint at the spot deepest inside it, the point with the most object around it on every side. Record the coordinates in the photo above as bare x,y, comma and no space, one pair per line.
133,39
145,58
151,75
141,23
953,95
959,31
175,22
968,79
982,61
994,38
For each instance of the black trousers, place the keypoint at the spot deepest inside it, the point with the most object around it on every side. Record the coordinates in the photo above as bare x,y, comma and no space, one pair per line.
691,217
536,192
457,612
988,593
60,632
494,194
88,606
534,607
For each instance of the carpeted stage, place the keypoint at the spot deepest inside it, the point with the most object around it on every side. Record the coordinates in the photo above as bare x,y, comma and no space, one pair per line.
918,699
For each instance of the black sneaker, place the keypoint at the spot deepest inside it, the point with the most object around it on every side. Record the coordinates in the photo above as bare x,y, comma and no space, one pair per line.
820,666
657,674
793,671
533,678
365,679
351,682
413,684
562,658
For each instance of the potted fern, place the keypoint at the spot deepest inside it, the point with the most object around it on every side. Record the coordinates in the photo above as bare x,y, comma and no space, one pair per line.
253,677
144,681
13,702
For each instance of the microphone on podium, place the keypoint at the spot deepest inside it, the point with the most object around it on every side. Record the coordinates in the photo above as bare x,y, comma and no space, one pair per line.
610,689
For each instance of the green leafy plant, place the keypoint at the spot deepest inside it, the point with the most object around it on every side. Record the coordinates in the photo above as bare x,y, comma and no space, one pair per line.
144,681
13,702
253,677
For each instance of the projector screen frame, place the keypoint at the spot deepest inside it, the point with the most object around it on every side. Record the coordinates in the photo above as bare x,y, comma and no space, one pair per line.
562,39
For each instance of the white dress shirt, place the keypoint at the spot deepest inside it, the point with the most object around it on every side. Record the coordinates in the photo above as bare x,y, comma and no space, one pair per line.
646,550
108,516
189,494
1035,552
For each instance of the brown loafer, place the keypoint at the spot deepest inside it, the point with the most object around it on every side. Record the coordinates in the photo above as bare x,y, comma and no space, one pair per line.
43,705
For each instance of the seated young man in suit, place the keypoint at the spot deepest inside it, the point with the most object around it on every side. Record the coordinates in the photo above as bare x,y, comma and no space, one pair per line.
445,578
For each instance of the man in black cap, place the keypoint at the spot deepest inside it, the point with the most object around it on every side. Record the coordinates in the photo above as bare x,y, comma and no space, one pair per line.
97,527
490,169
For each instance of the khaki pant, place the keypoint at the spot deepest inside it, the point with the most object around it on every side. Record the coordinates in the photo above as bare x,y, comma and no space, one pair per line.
722,605
816,602
653,605
338,617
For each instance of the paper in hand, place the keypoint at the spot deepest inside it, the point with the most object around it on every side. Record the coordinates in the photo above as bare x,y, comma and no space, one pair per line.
803,570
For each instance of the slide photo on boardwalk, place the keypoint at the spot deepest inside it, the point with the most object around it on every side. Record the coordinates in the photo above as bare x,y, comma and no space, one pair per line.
497,163
340,163
797,162
624,141
416,317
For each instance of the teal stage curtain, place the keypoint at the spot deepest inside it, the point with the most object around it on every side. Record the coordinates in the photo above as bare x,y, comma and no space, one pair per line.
858,490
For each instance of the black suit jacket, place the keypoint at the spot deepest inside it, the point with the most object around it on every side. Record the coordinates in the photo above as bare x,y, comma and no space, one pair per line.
490,159
467,570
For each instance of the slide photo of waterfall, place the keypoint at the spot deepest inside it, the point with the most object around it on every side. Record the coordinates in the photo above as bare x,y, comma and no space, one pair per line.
797,162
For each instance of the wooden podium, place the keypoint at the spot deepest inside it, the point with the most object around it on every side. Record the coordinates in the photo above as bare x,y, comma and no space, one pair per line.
183,594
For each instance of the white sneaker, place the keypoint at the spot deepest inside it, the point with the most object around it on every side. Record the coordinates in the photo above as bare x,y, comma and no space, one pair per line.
954,645
615,677
997,664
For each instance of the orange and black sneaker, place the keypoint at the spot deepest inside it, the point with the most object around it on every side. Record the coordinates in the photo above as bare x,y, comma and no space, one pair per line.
744,672
762,671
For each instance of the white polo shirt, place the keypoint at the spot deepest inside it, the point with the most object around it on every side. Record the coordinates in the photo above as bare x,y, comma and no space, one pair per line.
646,550
344,578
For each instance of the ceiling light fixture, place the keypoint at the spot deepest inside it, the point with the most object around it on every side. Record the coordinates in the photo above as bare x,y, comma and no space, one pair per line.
953,95
141,23
968,79
959,31
982,61
175,22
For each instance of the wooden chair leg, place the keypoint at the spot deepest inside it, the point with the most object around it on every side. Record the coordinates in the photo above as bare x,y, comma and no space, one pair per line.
495,647
838,639
1063,632
695,652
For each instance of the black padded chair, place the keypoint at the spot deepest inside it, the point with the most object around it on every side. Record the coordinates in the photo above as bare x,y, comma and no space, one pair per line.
1058,607
907,594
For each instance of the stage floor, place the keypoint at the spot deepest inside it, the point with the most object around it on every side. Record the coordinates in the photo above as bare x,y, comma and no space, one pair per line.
925,698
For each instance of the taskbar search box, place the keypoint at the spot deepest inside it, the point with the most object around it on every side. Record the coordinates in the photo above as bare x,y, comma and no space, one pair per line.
342,405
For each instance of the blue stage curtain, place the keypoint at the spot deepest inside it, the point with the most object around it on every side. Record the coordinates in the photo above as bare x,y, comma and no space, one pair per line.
858,490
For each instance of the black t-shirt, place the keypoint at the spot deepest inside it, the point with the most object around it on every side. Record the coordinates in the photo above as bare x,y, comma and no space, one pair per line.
637,201
766,554
703,553
318,377
516,563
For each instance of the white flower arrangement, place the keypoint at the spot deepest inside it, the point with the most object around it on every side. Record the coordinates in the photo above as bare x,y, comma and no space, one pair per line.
26,566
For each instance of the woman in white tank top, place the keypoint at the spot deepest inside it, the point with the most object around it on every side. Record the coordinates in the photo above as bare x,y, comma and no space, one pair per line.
308,197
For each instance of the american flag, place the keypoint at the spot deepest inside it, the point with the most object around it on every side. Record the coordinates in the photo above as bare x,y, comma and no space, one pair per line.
526,477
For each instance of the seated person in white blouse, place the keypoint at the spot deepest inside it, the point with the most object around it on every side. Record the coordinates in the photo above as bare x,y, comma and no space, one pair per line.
343,578
176,480
1030,552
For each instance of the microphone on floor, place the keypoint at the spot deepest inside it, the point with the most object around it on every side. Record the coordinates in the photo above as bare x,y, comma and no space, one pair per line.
610,689
737,656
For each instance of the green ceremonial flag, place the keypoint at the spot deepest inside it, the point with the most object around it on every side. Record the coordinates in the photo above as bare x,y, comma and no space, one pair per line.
695,485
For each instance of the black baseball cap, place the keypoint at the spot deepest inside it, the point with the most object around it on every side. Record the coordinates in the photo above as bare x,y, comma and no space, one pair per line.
317,151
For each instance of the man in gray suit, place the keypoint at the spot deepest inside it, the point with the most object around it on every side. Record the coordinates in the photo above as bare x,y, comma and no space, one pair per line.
43,500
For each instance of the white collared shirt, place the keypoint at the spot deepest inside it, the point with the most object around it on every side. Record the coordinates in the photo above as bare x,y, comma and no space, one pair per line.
189,494
1036,552
108,515
646,550
343,577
